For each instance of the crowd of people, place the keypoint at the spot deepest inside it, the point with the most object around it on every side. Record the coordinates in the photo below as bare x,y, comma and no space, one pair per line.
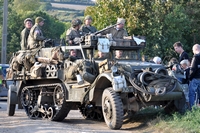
32,37
191,68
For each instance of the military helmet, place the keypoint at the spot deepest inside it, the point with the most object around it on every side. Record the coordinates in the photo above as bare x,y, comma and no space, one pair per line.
28,19
76,22
88,17
39,19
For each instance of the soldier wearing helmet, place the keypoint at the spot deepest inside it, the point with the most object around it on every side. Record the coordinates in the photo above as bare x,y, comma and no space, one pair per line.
28,23
74,34
87,27
36,37
118,32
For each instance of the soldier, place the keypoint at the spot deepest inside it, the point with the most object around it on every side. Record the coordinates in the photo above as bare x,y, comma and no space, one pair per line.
36,37
73,34
87,27
118,32
28,23
118,54
73,52
101,55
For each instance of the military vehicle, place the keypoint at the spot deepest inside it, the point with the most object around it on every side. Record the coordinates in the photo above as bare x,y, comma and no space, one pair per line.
49,82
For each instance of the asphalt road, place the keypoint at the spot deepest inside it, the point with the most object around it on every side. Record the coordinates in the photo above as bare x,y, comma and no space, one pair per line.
73,123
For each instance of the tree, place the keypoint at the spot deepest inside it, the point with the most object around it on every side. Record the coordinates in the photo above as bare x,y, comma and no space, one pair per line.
23,6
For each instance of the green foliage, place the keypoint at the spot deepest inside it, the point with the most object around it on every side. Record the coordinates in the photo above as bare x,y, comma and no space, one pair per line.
189,122
21,6
45,6
67,26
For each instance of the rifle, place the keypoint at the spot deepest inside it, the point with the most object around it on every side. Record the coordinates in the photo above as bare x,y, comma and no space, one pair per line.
35,51
105,29
42,45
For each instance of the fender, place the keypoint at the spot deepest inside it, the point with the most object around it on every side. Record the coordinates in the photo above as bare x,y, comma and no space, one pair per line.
103,81
18,85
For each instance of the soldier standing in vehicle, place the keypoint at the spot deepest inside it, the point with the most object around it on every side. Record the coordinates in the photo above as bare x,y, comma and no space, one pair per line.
73,35
87,27
118,32
36,38
28,23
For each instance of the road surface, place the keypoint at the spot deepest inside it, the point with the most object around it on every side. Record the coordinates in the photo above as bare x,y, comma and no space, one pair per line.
73,123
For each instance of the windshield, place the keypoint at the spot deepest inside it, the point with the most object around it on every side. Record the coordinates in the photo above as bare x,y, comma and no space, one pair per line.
119,53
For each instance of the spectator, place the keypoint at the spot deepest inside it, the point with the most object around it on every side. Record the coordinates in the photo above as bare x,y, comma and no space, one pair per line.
87,27
36,37
118,32
194,76
178,47
157,60
28,23
185,66
185,81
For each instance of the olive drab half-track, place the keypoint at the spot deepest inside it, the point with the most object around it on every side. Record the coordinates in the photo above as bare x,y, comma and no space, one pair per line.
49,82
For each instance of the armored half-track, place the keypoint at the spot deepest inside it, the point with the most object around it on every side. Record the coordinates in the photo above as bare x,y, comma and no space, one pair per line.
49,82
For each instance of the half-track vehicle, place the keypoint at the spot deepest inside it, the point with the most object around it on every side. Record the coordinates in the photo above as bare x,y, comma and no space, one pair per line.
48,82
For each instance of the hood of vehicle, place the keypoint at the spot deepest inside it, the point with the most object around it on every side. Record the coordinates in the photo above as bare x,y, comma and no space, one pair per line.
135,64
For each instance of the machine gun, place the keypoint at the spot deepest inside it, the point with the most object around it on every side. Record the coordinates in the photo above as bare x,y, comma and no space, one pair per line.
109,27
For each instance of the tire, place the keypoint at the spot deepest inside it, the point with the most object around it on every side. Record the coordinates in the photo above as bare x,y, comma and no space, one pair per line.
176,106
112,109
10,107
170,108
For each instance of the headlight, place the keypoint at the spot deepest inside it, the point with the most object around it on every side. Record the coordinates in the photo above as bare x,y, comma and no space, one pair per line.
114,69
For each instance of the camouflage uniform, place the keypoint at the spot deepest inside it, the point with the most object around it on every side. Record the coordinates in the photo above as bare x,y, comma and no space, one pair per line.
35,37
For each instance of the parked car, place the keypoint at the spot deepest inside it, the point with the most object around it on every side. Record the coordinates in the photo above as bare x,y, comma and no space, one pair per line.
3,82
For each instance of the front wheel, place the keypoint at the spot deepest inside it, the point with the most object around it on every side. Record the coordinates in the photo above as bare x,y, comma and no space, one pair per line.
112,108
10,106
